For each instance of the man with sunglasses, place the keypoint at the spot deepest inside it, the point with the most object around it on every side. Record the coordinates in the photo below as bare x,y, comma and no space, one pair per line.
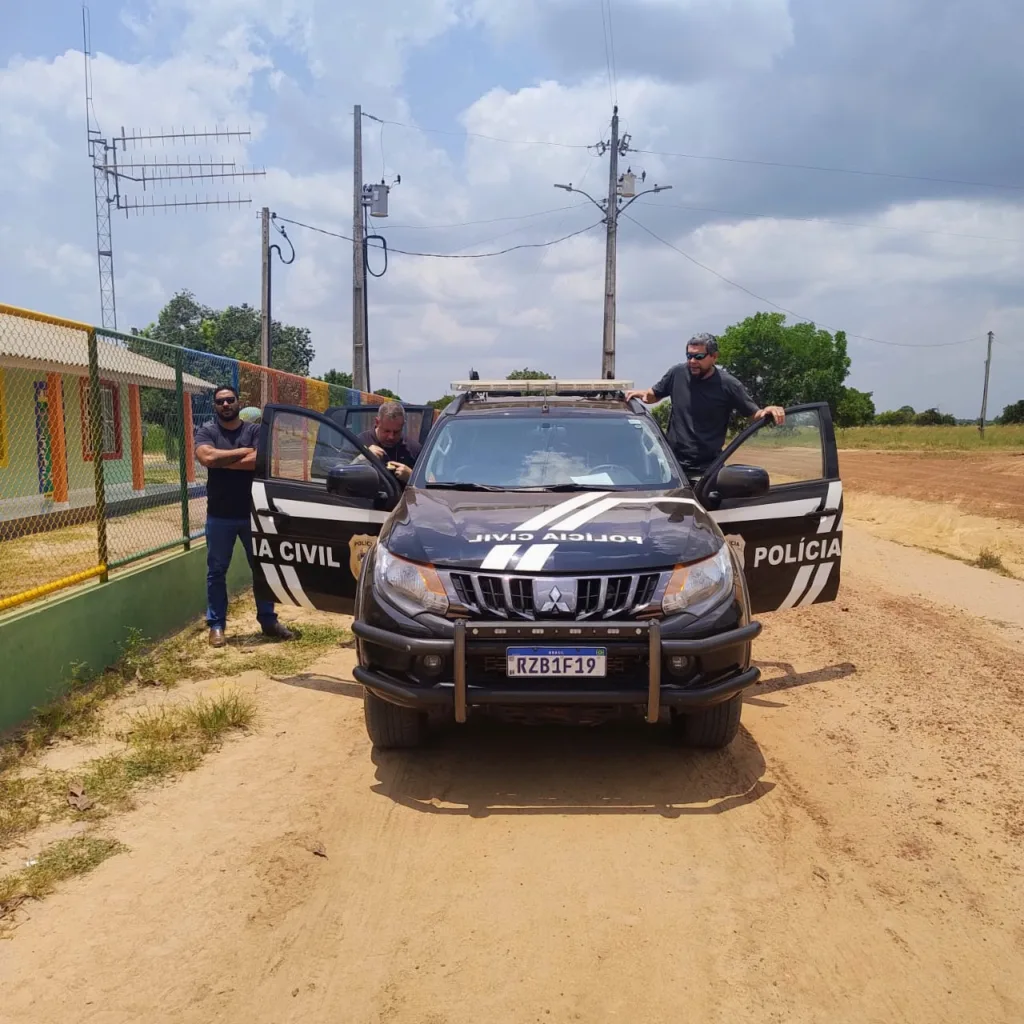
704,397
226,446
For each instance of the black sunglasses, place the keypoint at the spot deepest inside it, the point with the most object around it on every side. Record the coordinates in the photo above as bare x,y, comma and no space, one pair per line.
224,401
697,356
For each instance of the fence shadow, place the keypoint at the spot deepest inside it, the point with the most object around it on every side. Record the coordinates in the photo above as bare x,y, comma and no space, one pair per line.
325,684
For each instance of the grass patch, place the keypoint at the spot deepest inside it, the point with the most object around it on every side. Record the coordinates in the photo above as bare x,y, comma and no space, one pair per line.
56,863
188,656
988,559
159,743
953,439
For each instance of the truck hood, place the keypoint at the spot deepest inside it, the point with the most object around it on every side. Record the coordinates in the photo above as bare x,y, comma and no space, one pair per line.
580,532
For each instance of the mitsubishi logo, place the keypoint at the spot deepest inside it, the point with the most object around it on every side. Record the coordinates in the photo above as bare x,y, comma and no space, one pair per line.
554,595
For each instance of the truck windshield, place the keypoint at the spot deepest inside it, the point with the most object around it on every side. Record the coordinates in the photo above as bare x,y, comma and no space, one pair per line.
514,452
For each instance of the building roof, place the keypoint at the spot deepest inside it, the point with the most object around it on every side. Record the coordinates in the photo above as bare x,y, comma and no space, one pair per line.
32,345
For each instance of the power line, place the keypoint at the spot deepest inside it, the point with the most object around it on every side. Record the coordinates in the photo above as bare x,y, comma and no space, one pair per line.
831,170
606,35
828,220
480,135
790,312
611,47
718,159
451,255
490,220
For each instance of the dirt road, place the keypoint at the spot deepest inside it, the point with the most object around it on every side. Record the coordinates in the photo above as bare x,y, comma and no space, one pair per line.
856,855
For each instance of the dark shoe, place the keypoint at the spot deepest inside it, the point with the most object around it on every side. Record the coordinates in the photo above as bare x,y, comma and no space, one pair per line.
216,637
279,631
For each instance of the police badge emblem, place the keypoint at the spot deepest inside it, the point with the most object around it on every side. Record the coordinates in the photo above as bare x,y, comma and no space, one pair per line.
358,546
738,544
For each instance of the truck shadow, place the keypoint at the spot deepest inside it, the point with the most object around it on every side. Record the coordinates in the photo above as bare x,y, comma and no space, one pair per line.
488,768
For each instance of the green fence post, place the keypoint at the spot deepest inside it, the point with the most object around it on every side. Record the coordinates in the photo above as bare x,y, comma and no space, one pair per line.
179,390
96,440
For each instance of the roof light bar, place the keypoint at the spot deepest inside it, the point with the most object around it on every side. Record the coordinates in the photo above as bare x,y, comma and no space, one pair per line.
540,387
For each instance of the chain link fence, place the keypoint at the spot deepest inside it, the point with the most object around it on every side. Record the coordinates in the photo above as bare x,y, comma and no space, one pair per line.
97,458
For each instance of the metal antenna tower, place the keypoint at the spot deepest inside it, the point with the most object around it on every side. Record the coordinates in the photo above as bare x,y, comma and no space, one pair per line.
109,174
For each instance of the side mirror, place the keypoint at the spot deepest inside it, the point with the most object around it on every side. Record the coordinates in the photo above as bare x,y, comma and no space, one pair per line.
741,482
359,480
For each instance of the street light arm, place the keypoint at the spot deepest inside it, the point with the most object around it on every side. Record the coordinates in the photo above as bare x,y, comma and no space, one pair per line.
569,188
657,188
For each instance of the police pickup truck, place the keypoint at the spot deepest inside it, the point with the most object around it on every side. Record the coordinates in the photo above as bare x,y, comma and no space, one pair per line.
549,554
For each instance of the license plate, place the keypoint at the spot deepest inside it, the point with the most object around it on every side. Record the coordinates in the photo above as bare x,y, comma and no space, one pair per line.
556,661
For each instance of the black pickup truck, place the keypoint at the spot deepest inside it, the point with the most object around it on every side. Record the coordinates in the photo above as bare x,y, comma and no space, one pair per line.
549,553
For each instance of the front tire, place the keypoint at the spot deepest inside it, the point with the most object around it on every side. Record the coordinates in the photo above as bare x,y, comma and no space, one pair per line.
391,727
712,728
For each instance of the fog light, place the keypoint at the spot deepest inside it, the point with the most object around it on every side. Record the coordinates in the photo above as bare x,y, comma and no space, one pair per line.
432,663
678,664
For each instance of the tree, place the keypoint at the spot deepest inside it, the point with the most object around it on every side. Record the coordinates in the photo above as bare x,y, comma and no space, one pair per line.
340,377
527,374
934,418
441,403
661,412
1013,413
855,408
901,417
233,332
784,364
387,393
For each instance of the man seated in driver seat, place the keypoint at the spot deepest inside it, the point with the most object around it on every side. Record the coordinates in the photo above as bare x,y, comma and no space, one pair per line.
385,440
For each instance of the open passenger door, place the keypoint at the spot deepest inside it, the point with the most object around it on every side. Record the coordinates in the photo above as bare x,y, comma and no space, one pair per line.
319,500
789,534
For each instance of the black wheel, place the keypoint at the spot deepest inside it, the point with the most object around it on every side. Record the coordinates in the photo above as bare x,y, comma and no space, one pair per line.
712,728
391,727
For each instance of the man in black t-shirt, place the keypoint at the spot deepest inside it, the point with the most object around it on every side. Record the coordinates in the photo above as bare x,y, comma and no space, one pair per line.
226,446
703,399
385,440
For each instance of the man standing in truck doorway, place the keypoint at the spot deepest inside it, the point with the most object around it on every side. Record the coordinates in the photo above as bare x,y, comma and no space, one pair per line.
704,397
226,446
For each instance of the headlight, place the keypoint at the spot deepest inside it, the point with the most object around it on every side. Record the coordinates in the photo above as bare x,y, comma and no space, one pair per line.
695,588
412,587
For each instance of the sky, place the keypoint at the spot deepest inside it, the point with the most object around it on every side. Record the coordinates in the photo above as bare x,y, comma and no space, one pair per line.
496,102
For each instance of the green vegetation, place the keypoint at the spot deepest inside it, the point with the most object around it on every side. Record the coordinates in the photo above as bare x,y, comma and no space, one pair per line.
1013,413
990,560
948,438
527,374
340,377
855,408
157,743
784,364
57,862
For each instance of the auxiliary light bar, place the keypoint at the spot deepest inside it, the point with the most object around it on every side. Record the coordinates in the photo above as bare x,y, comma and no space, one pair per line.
541,387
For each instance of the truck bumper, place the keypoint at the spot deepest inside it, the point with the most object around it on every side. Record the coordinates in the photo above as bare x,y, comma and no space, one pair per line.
458,694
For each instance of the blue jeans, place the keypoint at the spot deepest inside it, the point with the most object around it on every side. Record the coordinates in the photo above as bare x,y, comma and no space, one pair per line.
220,543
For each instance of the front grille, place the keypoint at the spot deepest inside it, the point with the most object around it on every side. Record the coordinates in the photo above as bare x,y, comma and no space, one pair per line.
489,595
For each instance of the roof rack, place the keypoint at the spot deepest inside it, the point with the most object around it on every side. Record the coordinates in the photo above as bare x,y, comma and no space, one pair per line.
580,388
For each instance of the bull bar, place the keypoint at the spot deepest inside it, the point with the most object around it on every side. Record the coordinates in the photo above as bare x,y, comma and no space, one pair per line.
493,637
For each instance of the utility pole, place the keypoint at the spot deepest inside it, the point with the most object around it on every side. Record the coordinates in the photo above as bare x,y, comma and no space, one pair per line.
266,305
265,290
611,223
984,394
359,368
620,187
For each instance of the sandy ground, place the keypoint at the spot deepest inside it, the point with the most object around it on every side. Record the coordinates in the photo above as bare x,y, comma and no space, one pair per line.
980,483
855,855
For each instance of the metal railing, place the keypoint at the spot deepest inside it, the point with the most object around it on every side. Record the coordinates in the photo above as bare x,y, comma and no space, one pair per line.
97,460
